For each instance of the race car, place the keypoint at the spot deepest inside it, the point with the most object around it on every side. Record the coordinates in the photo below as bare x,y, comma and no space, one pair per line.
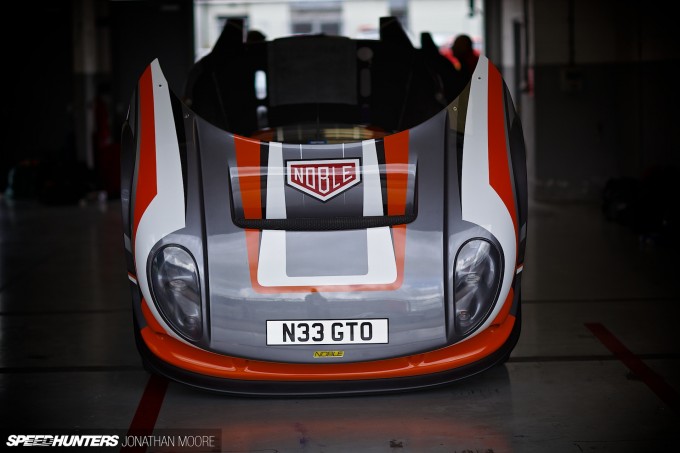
322,215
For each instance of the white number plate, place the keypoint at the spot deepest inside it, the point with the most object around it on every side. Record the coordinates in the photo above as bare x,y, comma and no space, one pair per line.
335,331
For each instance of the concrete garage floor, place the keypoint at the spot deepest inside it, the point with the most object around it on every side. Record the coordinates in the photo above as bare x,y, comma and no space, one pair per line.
596,368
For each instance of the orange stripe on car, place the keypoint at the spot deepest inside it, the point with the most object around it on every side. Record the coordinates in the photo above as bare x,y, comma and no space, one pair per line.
248,167
499,167
396,160
146,172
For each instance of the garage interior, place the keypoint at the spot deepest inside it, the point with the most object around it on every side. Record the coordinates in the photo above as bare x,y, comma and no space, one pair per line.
596,367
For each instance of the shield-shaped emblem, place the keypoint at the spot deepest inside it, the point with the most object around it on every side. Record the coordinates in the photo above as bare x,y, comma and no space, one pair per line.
323,179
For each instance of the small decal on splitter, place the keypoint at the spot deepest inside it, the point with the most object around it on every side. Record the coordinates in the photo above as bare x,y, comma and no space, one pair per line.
323,179
323,354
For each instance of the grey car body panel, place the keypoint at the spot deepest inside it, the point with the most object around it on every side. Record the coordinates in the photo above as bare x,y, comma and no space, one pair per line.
415,310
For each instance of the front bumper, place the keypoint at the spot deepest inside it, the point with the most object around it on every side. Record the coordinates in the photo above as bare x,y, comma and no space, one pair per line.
168,357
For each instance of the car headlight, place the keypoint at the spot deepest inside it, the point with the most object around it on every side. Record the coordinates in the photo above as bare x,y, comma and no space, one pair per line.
476,279
176,290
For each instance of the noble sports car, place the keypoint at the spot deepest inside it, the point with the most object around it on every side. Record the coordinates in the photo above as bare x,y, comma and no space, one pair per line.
323,215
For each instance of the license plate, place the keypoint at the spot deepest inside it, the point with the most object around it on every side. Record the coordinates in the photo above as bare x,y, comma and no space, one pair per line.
334,331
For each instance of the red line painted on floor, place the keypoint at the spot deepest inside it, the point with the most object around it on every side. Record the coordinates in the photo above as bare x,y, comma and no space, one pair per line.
655,382
144,421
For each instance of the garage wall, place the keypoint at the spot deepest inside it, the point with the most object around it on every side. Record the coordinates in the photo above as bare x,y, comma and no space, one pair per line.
68,52
603,91
37,113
